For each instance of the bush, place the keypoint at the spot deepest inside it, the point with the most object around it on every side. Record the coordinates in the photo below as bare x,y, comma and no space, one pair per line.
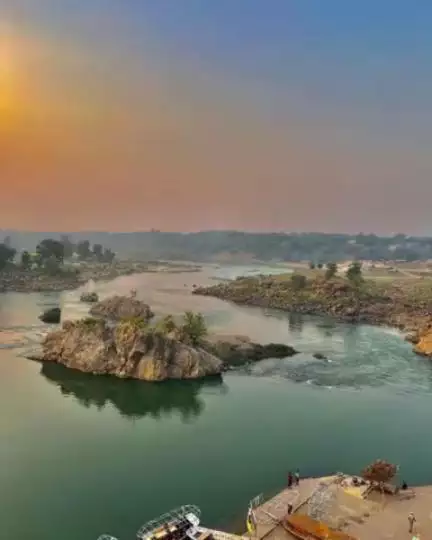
166,325
354,272
331,270
194,329
298,281
89,323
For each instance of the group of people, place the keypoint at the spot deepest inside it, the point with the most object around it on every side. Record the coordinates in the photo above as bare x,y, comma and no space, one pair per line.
293,479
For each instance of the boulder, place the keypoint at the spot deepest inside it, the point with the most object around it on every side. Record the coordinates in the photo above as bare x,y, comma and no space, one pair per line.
239,350
89,298
319,356
117,308
51,316
127,350
424,344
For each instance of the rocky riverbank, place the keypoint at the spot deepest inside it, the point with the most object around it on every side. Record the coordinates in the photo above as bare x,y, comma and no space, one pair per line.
17,280
404,305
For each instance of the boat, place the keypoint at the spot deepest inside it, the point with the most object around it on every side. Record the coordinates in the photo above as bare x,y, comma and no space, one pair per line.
181,523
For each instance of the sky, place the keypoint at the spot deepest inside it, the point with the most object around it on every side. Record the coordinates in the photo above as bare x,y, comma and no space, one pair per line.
262,115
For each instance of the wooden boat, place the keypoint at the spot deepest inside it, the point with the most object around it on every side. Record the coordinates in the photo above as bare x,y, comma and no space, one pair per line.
304,527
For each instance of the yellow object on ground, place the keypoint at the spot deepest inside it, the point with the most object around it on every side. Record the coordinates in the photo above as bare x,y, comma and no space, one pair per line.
305,528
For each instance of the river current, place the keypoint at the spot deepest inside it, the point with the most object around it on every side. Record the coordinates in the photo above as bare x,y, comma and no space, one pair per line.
83,455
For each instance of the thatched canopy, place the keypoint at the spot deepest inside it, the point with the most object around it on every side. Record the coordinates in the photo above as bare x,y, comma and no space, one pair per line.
380,471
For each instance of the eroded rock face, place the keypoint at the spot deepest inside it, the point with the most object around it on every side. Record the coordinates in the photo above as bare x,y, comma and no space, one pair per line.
117,308
424,344
93,346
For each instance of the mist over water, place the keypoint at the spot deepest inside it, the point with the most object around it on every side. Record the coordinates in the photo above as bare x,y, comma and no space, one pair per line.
81,455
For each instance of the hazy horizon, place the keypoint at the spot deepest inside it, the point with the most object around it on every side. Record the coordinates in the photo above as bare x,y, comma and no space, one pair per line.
254,116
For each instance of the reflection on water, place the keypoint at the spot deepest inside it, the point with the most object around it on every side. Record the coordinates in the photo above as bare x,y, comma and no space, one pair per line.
74,467
133,399
295,322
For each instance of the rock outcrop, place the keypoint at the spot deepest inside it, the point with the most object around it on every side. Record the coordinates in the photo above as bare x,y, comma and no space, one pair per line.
51,316
133,349
236,351
126,350
406,305
116,308
424,344
89,297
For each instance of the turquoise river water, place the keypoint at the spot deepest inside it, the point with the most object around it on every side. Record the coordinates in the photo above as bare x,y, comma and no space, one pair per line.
83,455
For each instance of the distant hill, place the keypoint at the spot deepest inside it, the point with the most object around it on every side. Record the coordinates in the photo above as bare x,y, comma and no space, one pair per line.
242,246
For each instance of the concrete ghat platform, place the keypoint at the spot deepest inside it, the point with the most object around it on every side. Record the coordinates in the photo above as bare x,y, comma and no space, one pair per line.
376,517
272,511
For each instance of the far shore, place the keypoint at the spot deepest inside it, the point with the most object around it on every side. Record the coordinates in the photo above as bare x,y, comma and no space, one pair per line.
35,281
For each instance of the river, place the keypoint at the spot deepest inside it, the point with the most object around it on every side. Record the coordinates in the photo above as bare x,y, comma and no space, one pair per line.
83,455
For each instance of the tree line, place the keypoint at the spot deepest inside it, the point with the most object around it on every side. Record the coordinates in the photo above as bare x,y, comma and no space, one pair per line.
51,254
353,274
318,247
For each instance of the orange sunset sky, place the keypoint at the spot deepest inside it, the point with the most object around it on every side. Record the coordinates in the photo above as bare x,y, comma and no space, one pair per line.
121,117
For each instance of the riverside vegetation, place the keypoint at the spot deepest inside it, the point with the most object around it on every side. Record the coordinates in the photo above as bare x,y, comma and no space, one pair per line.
246,246
123,341
62,265
405,304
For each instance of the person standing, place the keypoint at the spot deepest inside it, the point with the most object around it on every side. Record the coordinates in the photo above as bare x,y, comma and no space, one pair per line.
411,521
297,477
290,480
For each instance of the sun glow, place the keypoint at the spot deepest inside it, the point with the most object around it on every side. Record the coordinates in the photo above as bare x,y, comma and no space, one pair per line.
9,77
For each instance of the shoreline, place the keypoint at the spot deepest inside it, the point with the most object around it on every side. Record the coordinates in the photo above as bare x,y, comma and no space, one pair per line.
355,511
336,300
37,282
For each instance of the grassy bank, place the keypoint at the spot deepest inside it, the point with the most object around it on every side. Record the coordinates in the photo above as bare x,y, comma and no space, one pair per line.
404,303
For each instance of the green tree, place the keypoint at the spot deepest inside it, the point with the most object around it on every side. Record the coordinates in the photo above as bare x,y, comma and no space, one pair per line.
354,272
26,260
68,246
166,325
108,256
7,255
194,329
83,250
98,252
298,281
52,266
50,248
331,270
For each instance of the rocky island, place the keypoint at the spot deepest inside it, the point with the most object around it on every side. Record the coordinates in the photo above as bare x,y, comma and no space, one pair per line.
406,305
121,341
118,308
